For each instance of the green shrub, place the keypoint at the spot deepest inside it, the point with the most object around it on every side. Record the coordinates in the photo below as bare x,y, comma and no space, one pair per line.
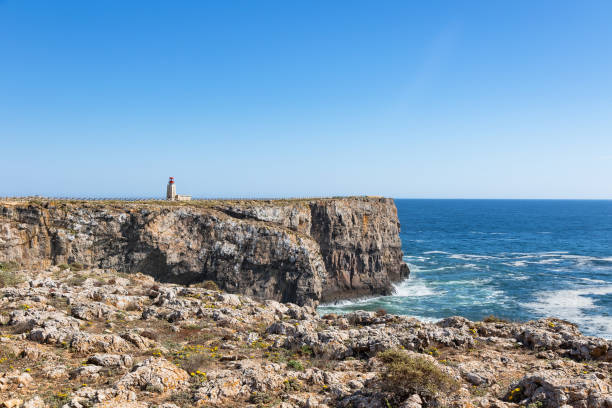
306,350
404,375
182,399
75,267
57,399
296,365
260,398
292,385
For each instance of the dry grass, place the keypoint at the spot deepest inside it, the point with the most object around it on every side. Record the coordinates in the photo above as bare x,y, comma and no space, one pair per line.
9,266
208,285
381,312
195,203
494,319
75,267
76,280
9,278
195,362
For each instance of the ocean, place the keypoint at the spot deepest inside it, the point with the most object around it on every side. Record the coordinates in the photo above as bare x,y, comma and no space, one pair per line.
515,259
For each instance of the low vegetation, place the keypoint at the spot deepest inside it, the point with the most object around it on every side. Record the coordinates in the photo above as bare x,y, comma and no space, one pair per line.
494,319
197,203
381,312
295,365
8,274
405,374
203,348
208,285
9,266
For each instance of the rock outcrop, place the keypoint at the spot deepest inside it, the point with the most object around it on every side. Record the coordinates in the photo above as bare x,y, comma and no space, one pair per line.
167,345
300,251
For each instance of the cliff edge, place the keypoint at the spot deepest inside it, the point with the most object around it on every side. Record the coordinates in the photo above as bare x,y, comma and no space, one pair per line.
300,251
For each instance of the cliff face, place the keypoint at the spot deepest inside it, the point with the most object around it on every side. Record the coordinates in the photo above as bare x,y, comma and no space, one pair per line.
301,251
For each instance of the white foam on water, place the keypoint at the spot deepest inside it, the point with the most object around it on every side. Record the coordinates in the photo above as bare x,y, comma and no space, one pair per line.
517,264
535,254
435,252
425,319
442,268
516,277
593,280
586,258
547,261
349,302
470,266
414,269
414,258
521,259
571,304
496,294
470,282
472,257
413,287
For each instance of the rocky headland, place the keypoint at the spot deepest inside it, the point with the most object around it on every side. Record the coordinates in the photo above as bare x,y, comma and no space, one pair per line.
300,251
212,304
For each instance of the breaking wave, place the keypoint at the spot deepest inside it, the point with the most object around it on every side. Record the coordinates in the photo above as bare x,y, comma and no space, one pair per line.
574,305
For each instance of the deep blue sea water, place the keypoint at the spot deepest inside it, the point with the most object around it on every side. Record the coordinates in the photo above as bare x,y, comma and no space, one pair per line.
517,259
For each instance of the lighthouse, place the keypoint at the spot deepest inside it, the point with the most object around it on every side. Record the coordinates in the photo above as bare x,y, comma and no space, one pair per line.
171,192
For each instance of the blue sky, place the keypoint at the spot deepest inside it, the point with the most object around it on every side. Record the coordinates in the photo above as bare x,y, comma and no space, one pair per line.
473,99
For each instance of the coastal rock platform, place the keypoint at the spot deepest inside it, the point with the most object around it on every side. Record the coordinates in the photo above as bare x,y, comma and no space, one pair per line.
101,338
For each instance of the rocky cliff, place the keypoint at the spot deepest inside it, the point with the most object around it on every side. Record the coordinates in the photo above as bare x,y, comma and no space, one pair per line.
301,251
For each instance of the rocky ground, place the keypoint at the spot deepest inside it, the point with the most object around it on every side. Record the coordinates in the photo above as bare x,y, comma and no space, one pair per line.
97,338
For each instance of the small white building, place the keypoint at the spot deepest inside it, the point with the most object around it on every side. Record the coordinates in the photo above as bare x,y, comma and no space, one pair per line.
171,192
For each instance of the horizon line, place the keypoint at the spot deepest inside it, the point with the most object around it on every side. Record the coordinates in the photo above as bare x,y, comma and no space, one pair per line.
159,198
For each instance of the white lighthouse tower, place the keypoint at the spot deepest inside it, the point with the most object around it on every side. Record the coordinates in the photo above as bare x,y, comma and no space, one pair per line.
171,192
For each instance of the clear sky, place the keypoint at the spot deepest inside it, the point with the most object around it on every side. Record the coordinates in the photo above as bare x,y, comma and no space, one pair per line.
465,99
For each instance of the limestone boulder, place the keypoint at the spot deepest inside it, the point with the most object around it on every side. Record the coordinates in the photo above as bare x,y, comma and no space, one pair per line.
155,373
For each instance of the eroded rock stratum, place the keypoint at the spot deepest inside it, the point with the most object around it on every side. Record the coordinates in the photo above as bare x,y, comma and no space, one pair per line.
300,251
